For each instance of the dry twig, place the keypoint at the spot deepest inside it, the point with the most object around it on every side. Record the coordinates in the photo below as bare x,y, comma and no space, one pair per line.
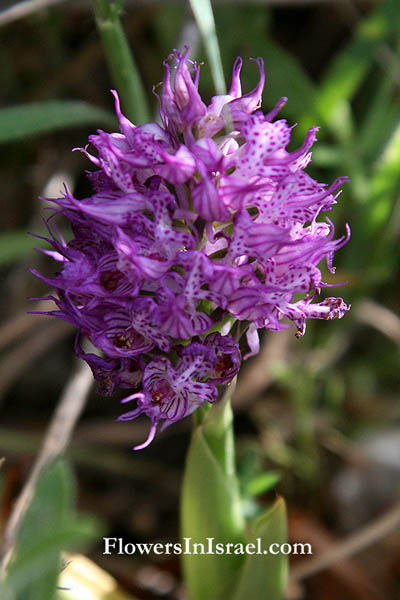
29,350
57,437
259,375
24,9
21,10
18,325
368,535
380,317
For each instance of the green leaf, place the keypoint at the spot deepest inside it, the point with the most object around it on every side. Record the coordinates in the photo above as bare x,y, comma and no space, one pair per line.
284,73
375,216
203,14
385,183
211,506
253,479
264,576
286,77
17,122
262,483
15,244
49,527
327,156
381,115
350,66
167,22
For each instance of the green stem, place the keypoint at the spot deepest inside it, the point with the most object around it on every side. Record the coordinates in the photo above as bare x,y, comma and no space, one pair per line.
203,14
199,414
122,67
218,432
211,505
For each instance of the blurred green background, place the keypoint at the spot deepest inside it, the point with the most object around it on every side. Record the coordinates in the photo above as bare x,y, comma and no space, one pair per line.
320,415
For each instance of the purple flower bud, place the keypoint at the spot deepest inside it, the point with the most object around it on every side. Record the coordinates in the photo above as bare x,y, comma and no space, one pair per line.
181,104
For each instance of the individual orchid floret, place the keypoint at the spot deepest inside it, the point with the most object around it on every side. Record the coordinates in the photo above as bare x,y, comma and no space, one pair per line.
228,358
201,230
181,105
170,394
232,109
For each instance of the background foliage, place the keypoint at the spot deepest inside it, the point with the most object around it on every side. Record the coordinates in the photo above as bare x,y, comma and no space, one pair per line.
317,419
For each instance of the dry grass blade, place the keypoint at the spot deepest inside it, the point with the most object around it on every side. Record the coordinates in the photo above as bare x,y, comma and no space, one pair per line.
372,533
20,10
381,318
259,374
23,9
28,351
21,323
56,439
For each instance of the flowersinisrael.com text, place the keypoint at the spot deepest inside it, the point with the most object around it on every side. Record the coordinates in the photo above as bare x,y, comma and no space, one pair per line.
113,545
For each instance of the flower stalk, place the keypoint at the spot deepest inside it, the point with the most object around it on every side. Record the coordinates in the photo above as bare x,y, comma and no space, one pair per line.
211,506
121,64
203,13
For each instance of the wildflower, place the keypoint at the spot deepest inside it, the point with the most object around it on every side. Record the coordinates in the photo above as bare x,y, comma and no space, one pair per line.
195,226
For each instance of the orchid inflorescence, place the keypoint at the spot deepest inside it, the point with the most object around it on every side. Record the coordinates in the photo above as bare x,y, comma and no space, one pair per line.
200,230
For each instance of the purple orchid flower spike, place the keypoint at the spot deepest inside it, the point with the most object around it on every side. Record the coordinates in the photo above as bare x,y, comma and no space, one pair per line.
195,227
